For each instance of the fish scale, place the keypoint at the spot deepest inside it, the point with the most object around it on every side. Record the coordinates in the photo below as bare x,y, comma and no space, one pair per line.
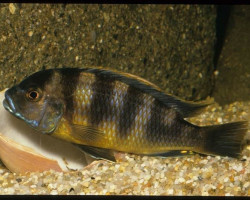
82,99
135,139
111,133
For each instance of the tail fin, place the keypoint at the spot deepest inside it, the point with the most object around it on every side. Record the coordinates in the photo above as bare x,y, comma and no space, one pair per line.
226,139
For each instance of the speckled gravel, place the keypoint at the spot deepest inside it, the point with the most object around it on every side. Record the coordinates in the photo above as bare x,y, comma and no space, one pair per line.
135,175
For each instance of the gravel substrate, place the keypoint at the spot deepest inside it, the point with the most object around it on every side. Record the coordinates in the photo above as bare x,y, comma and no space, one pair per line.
135,175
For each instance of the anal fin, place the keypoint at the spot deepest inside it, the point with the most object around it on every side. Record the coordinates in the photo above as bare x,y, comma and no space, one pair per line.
173,153
98,153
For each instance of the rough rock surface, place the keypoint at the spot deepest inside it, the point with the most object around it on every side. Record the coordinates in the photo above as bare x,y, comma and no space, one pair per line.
170,45
233,80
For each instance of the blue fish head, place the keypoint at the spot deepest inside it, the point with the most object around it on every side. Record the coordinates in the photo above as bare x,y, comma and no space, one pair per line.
29,102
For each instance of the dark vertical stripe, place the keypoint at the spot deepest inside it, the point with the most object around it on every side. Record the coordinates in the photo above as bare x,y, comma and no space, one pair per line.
41,78
101,107
154,124
159,130
69,81
165,125
131,102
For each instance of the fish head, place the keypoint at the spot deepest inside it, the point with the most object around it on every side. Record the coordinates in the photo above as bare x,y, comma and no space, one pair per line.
32,102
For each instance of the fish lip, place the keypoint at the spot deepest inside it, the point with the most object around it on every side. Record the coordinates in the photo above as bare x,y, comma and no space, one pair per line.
6,105
9,107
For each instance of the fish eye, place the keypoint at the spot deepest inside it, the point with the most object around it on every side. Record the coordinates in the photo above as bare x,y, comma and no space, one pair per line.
33,95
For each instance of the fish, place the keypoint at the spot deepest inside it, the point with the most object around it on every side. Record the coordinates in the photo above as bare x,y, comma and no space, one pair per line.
104,111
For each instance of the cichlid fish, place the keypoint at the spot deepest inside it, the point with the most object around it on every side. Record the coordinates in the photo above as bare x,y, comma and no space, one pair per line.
102,111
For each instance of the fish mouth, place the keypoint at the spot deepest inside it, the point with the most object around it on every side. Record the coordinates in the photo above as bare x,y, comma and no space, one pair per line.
10,107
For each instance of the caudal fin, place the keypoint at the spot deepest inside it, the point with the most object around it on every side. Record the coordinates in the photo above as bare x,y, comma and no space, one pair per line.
226,139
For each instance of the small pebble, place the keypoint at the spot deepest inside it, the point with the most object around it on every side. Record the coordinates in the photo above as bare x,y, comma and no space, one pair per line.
216,72
54,192
170,191
30,33
12,8
219,119
226,179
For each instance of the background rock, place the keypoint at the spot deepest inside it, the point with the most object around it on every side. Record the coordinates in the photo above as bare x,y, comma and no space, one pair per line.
233,80
170,45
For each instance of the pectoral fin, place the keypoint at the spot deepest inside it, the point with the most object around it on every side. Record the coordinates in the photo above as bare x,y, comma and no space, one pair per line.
98,153
88,134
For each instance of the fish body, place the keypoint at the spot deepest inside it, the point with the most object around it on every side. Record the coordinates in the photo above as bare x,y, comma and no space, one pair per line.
102,111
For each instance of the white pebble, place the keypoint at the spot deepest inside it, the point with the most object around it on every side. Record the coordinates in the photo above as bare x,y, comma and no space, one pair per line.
219,119
12,8
170,191
147,177
218,157
189,181
216,72
11,190
246,184
181,180
239,168
204,161
213,187
30,33
54,192
85,184
112,187
226,179
204,193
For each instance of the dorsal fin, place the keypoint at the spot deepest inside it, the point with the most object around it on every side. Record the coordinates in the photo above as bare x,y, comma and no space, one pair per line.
185,108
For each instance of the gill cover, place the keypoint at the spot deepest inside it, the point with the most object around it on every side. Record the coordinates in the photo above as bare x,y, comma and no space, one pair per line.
52,114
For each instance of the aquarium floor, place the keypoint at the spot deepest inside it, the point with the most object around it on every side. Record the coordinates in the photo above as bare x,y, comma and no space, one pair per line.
135,175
